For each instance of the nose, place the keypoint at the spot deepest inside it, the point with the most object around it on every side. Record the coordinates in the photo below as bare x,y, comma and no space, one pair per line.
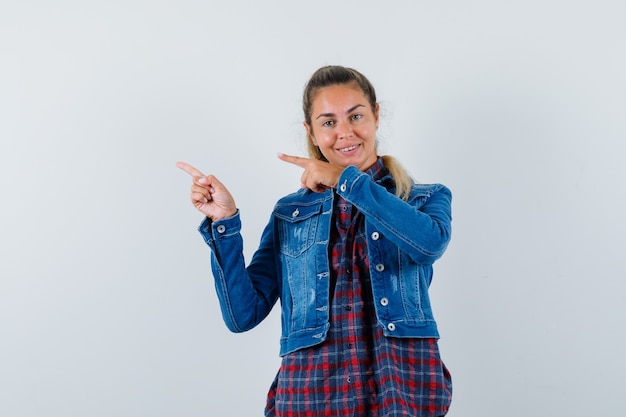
344,130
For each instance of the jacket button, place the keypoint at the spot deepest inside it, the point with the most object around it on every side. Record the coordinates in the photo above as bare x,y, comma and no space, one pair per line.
391,327
221,228
295,213
380,267
375,236
343,187
384,301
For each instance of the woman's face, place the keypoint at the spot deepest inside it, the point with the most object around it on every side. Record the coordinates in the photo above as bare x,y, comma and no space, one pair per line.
344,126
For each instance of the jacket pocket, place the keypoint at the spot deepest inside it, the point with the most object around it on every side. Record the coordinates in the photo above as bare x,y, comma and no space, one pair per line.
297,226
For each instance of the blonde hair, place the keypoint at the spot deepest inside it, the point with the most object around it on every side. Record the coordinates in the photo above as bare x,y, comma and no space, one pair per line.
336,75
404,182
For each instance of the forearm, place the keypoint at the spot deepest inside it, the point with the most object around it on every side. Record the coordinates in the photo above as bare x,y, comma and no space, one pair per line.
420,228
246,296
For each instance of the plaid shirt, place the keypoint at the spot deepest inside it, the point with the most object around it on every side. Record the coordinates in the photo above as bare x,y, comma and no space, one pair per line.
357,371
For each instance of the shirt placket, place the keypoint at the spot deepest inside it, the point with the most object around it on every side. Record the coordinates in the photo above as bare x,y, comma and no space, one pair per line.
349,291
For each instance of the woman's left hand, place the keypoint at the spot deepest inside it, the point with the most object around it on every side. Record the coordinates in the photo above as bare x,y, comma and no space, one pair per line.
318,176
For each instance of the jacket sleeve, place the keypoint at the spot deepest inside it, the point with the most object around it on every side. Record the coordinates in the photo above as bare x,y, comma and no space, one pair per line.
420,227
246,294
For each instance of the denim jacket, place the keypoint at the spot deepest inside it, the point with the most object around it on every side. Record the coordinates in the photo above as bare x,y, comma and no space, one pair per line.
404,239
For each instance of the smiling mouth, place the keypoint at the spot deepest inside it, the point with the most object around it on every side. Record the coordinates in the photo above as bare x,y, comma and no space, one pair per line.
348,149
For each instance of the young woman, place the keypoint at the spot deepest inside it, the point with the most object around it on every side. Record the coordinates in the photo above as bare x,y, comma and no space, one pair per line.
350,257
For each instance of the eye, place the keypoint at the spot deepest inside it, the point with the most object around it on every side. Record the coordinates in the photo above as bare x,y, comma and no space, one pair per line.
328,123
356,117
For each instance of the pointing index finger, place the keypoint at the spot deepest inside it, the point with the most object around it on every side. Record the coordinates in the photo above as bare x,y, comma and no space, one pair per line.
189,169
296,160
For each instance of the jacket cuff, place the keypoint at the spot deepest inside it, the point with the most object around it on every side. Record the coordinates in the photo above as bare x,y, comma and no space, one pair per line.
348,178
212,231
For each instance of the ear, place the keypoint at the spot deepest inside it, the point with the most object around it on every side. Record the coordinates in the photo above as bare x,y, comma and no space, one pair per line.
310,133
376,114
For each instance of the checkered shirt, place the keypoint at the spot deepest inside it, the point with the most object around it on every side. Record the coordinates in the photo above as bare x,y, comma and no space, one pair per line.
357,371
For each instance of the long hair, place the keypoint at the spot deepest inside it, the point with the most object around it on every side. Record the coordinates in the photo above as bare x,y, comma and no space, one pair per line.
338,75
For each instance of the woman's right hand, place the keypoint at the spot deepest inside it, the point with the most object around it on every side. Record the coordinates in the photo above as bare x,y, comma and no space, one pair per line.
209,195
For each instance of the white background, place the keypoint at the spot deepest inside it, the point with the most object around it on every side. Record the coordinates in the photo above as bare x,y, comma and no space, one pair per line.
107,305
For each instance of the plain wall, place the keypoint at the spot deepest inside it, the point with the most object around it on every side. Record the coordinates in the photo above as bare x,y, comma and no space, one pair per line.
107,304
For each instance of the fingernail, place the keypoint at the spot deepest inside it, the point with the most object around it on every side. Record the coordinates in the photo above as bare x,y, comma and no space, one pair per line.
202,180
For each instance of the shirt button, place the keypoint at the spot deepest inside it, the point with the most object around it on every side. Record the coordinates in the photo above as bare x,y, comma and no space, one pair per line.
348,308
384,301
349,379
391,327
380,267
375,236
221,228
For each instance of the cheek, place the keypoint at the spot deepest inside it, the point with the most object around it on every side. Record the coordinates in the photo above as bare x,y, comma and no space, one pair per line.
323,141
367,132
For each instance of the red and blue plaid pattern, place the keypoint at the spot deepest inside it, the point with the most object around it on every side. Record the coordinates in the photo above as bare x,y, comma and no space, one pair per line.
357,371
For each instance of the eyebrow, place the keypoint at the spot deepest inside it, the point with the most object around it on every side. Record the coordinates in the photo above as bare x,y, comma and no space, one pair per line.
350,110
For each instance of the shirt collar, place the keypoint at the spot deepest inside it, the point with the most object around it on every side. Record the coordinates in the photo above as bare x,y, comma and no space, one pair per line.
378,171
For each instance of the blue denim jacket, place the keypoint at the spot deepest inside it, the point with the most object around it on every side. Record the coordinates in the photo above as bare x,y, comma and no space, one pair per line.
404,239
